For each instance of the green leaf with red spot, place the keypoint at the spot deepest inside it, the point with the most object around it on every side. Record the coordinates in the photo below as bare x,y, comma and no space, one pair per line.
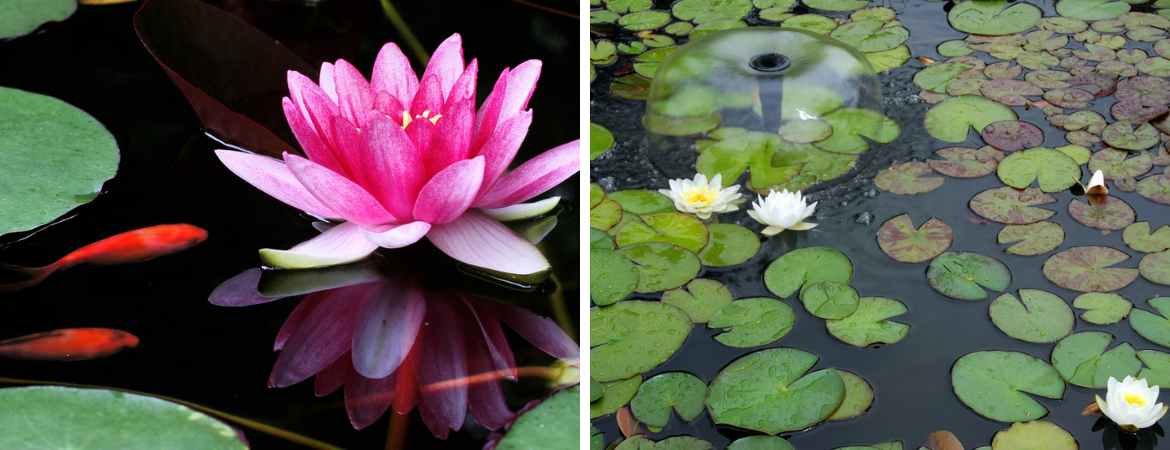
1155,188
901,241
907,179
1010,92
1124,136
1103,212
1086,269
1113,164
965,162
1037,238
1156,267
1012,206
1139,238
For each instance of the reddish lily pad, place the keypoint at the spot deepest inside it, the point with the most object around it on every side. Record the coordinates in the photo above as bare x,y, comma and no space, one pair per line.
950,119
1038,316
1086,269
1012,135
1117,68
966,86
632,86
1090,121
1113,164
1104,213
1048,79
1012,206
1155,188
1069,97
1037,238
1138,237
965,162
901,241
1124,136
1134,112
1156,267
1052,169
1003,70
1009,92
1037,60
1149,91
907,179
1065,25
1082,138
1097,83
963,275
1103,308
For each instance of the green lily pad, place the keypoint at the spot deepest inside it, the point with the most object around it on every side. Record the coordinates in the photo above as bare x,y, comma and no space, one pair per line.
1154,327
1156,267
1012,206
1082,360
1090,121
1003,70
605,215
867,325
1158,67
761,391
1069,97
937,76
1010,92
701,11
1157,370
1034,239
1124,136
907,179
1086,269
614,396
1155,188
963,275
858,396
556,419
682,443
642,202
815,23
661,266
628,6
775,14
991,18
595,390
679,28
730,244
1036,434
1038,316
683,230
752,322
965,86
814,162
21,17
602,52
1103,213
631,337
53,156
889,59
612,277
678,391
829,299
603,16
747,151
1091,9
1053,170
836,5
901,241
644,20
870,35
701,299
1114,165
994,383
805,131
806,266
1066,25
717,25
850,124
760,443
1048,79
954,48
1103,308
1139,238
965,162
950,119
65,417
600,140
1079,154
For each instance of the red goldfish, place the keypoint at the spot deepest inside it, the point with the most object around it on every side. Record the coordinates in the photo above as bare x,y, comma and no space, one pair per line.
126,248
72,344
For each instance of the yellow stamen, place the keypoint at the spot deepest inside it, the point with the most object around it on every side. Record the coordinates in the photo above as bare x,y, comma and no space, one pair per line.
406,119
698,194
1134,399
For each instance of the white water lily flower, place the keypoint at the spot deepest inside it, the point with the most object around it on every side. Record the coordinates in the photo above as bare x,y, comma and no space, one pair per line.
1097,184
1132,404
701,198
782,211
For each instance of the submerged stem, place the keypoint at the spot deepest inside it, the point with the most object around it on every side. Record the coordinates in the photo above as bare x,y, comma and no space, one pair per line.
400,25
396,432
559,312
543,372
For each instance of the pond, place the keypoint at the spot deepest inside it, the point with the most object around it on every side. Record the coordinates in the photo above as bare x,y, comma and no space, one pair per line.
189,347
699,339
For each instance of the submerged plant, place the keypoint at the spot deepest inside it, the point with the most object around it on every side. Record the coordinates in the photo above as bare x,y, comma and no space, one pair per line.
1133,404
782,211
398,159
701,198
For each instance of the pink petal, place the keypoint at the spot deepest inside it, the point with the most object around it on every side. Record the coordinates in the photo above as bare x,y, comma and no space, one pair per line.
542,332
398,236
521,84
536,175
354,96
494,342
521,211
446,63
420,131
298,316
389,106
318,341
392,73
465,86
327,82
240,290
366,399
501,148
299,86
388,323
488,115
443,357
275,179
452,139
353,202
313,145
348,148
486,400
450,192
342,244
406,395
479,240
393,167
333,376
319,111
429,99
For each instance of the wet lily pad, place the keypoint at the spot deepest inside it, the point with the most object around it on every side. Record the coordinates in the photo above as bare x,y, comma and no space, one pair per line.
1134,112
901,241
850,124
1052,169
760,443
600,140
612,276
805,131
991,18
1090,121
21,17
1034,239
1003,70
1012,206
761,391
642,202
1124,136
858,396
815,23
717,25
1103,213
631,87
1012,135
1156,267
1103,307
1010,92
1158,67
806,266
870,35
1114,165
1066,25
965,86
556,419
836,5
1038,316
1036,434
748,151
644,20
965,162
1153,327
1086,269
950,119
907,179
963,275
701,299
1157,370
889,59
1037,61
605,215
701,11
666,392
1069,97
661,266
1048,79
829,299
994,383
1082,360
683,230
867,325
1148,91
1155,188
816,163
954,48
1139,238
614,396
1078,153
628,338
752,322
730,244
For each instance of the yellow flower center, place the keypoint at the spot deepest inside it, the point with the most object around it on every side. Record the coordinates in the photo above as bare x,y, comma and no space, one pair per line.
1134,399
698,194
406,119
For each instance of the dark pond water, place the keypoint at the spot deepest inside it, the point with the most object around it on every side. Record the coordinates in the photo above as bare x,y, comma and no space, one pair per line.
221,357
911,378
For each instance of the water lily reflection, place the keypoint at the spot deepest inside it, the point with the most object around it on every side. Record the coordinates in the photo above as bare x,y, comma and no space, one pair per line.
393,342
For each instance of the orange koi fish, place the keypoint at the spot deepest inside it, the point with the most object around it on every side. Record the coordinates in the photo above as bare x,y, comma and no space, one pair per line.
126,248
72,344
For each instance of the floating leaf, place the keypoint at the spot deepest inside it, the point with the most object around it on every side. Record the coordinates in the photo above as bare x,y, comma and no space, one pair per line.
805,131
1012,206
747,151
959,275
1082,360
600,140
21,17
1158,67
1103,307
836,5
1134,112
867,325
907,179
950,119
760,443
1037,238
1154,327
815,23
614,396
1012,135
661,266
632,86
1038,316
806,266
954,48
642,202
1048,79
644,20
1010,92
612,276
994,383
850,124
1155,188
1036,434
829,299
761,391
683,230
678,391
965,162
965,86
858,396
1139,238
1114,165
682,443
870,35
730,244
752,322
716,25
1103,213
1122,135
1158,371
605,215
901,241
701,299
631,337
701,11
1086,269
556,419
1156,267
1052,169
990,17
1069,97
1066,25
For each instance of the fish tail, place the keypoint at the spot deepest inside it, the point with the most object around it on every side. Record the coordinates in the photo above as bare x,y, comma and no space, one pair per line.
34,275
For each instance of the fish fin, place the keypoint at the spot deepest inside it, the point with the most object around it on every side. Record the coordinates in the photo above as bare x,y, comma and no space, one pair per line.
35,275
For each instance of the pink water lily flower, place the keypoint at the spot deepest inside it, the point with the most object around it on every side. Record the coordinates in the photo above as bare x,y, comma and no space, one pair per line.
398,159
